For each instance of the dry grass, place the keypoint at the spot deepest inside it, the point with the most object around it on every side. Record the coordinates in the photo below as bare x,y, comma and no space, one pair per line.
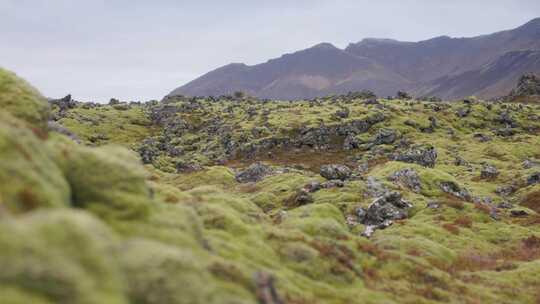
527,249
464,221
451,228
453,202
532,201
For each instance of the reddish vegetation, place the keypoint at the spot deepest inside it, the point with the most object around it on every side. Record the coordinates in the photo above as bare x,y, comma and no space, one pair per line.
483,207
527,250
28,199
341,253
464,221
451,228
532,201
453,202
377,252
306,158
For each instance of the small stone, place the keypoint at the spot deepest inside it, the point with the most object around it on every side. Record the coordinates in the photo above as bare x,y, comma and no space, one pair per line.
489,172
518,213
533,179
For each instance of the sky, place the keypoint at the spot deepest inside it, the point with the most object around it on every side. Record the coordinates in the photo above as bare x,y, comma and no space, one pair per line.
138,50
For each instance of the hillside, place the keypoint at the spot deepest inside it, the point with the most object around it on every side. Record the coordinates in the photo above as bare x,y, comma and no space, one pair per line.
336,200
443,66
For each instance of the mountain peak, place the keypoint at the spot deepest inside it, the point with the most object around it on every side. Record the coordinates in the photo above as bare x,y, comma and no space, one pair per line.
325,46
441,66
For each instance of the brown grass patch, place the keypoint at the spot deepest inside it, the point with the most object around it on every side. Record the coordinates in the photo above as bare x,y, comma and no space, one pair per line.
451,228
28,200
532,201
483,208
464,221
453,202
526,250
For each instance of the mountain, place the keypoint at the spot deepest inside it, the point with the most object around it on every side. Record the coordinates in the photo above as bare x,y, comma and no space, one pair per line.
486,66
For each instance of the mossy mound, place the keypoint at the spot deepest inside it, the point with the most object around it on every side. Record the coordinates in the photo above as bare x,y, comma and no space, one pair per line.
29,178
108,180
162,274
22,100
59,257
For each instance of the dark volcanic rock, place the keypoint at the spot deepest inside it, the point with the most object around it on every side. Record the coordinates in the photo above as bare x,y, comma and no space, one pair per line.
528,85
422,155
533,179
407,177
489,172
254,173
455,190
335,171
383,211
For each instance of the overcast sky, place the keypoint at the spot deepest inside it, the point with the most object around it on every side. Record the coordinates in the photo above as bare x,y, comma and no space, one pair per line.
140,50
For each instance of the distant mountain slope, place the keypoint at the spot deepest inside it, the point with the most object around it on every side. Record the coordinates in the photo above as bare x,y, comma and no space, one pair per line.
486,66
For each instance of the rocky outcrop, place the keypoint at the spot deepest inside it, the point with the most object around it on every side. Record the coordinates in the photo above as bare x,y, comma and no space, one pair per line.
423,155
334,172
382,212
253,173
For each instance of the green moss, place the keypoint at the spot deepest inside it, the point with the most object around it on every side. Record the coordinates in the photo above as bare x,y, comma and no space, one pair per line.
157,273
215,176
29,178
61,257
108,180
317,220
21,100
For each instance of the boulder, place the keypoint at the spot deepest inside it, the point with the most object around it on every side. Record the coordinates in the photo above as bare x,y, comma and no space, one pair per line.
335,171
383,211
533,179
454,189
423,155
489,172
254,173
409,178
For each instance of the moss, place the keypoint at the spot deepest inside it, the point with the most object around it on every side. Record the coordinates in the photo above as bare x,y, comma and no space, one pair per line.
317,220
430,179
60,256
109,181
106,125
216,176
23,101
28,176
157,273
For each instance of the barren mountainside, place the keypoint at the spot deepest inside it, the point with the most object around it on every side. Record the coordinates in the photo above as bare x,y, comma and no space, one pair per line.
446,67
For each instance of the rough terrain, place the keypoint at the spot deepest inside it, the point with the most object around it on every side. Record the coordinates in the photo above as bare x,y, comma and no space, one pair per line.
344,199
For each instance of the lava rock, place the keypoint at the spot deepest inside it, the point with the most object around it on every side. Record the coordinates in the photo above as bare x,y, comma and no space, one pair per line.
423,155
383,211
343,113
407,177
335,183
533,179
455,190
518,213
335,171
489,172
254,173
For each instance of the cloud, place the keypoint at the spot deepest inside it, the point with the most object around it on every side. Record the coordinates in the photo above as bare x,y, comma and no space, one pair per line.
138,50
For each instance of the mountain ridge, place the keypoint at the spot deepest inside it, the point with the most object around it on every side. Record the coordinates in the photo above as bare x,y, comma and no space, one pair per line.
381,65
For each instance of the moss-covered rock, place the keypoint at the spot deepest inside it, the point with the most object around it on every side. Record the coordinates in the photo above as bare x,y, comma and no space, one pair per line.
109,180
22,100
59,257
29,178
157,273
